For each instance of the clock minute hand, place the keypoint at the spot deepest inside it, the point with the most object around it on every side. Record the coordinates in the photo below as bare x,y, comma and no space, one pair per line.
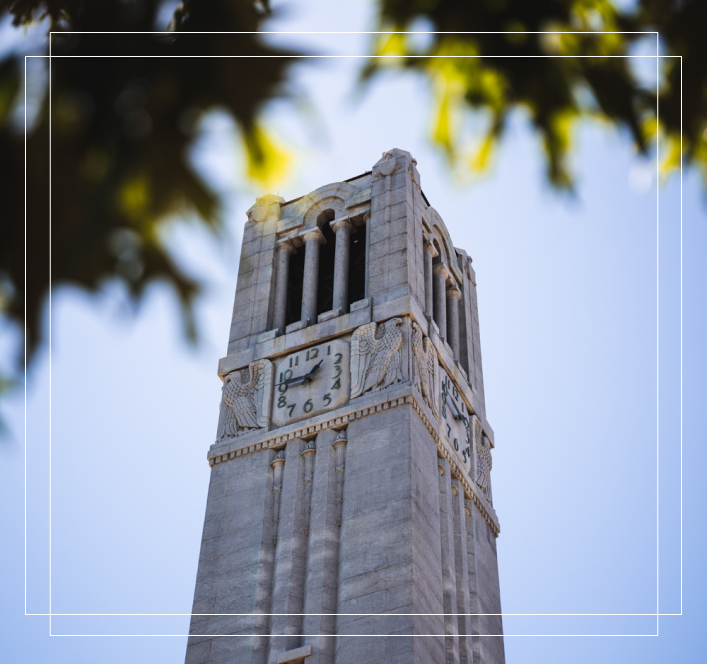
314,370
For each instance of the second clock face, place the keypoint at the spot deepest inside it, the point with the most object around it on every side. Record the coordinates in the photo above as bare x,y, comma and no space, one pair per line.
456,421
310,382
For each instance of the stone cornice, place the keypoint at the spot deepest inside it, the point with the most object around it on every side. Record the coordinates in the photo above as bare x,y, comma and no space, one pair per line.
222,452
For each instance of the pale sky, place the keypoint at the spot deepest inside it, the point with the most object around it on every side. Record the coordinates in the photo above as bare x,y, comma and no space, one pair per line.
571,339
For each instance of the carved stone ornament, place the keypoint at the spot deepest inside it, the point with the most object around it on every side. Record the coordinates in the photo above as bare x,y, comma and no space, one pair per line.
376,356
247,396
425,368
483,466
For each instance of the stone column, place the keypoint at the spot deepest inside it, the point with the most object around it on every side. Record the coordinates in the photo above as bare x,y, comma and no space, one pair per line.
453,297
448,560
440,298
284,251
342,227
430,253
312,239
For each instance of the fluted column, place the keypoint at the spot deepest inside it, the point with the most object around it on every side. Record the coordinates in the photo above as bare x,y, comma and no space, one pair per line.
340,449
284,251
342,227
312,239
453,297
440,273
308,454
277,463
430,253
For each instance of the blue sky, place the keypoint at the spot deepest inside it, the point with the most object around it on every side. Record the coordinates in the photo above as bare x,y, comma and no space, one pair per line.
572,341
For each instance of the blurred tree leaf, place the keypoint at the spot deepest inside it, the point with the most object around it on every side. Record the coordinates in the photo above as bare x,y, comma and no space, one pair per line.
121,127
506,67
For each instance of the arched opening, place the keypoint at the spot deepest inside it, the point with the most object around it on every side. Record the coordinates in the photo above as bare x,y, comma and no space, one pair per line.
295,277
327,260
357,265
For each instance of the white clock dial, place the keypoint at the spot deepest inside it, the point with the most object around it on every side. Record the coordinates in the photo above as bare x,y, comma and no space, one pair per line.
456,421
311,381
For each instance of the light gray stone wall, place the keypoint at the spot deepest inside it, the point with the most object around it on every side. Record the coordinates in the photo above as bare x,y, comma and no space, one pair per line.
235,564
490,644
252,309
375,562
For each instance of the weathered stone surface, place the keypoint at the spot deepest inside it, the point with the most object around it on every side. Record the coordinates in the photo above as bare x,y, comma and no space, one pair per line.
349,515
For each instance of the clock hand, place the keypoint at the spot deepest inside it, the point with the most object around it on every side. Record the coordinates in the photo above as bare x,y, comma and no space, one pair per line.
305,378
457,414
314,370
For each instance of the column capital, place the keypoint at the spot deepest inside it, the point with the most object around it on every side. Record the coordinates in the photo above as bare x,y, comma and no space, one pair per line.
341,222
440,268
430,248
453,291
285,245
312,234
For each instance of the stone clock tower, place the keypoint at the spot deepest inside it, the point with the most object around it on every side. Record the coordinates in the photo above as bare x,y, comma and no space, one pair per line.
350,517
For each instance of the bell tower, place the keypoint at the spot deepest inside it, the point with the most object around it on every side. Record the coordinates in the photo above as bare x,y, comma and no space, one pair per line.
350,517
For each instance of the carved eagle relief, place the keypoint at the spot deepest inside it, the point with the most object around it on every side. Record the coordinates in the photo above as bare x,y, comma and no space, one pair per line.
246,395
483,466
426,377
376,356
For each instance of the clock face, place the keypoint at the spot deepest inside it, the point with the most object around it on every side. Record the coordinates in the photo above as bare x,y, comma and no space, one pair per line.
456,422
311,381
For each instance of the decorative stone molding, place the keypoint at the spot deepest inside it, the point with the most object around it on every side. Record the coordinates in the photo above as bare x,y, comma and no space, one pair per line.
247,396
341,422
376,356
454,292
484,507
262,207
425,368
277,464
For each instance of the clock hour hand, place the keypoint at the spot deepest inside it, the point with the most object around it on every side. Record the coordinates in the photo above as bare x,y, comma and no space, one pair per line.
457,414
302,379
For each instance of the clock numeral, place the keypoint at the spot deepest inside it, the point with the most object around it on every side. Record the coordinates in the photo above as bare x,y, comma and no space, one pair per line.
327,399
291,407
308,405
282,401
449,431
464,454
288,373
455,392
328,350
444,411
296,361
338,357
338,371
337,384
456,444
312,354
282,388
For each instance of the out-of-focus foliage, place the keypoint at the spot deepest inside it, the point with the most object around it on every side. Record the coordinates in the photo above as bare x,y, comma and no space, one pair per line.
121,128
507,66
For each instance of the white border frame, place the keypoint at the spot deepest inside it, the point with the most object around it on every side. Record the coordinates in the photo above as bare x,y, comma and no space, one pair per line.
657,614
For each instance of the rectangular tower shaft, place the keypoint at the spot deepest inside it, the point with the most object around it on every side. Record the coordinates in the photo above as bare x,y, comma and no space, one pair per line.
349,516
